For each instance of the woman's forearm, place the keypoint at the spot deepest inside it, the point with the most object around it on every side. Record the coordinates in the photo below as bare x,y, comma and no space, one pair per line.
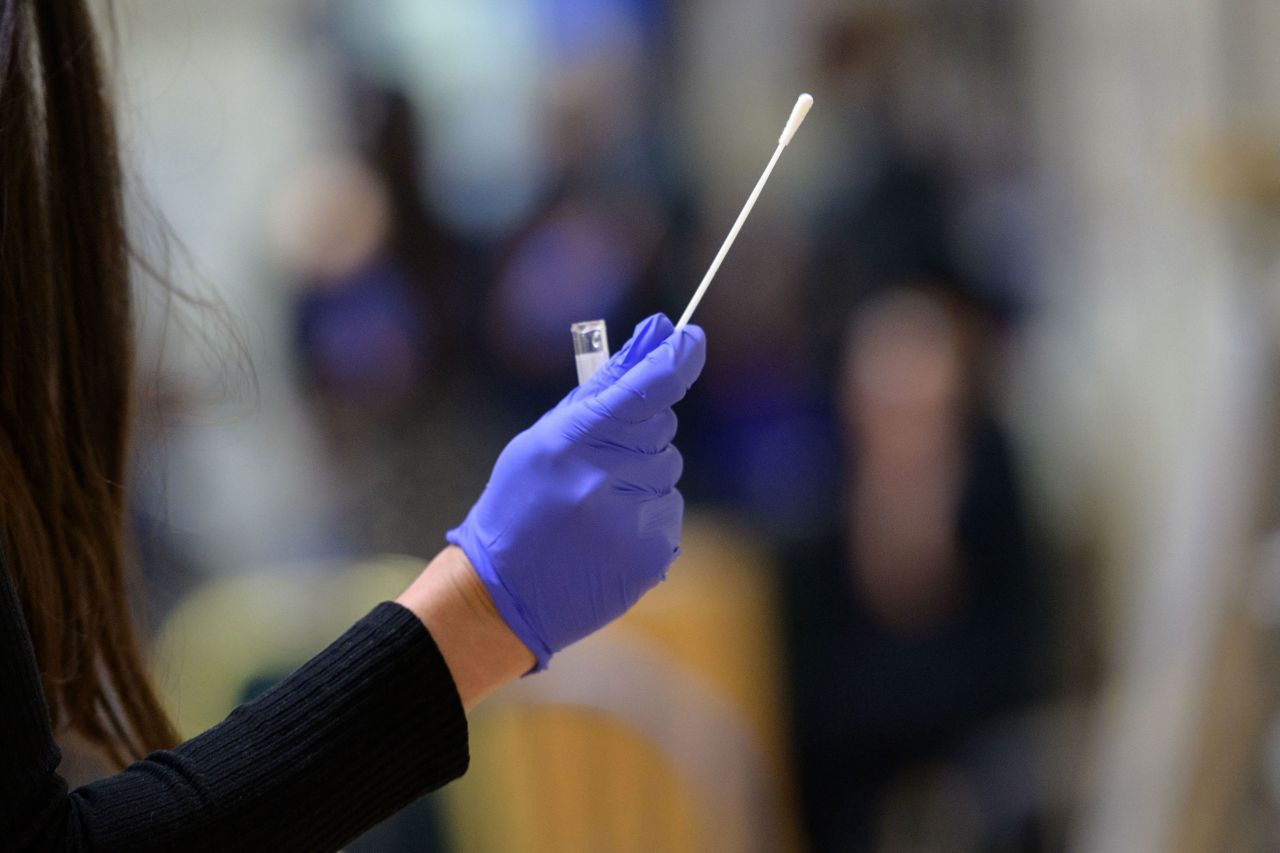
481,651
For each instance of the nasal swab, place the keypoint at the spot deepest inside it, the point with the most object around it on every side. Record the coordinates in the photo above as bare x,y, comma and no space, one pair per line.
798,112
590,341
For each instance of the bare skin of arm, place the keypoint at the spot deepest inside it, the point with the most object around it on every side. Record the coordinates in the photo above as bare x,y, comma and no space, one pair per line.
481,651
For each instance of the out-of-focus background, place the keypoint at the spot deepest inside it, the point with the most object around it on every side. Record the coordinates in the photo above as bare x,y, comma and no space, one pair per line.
981,548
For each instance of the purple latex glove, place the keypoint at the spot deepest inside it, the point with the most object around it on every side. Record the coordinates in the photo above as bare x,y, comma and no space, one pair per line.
581,516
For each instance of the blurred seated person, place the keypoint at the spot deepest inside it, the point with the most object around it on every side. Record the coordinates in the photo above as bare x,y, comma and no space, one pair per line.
387,293
360,329
920,616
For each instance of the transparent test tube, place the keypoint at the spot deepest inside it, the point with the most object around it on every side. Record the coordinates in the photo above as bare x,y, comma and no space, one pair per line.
590,347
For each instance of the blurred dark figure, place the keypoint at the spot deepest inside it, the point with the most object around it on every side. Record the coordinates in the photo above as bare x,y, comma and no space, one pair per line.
388,294
920,617
386,332
583,257
888,206
759,434
597,245
362,339
445,272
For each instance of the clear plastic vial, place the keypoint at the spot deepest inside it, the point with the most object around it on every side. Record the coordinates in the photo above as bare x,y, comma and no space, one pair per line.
590,347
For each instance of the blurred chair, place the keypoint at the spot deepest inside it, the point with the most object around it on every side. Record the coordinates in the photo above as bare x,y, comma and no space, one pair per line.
662,733
237,636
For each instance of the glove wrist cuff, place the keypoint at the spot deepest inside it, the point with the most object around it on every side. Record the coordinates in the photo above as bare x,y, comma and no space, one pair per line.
508,607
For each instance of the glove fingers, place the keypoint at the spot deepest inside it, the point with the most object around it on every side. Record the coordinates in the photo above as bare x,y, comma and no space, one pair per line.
656,434
648,436
661,518
659,381
655,474
666,468
648,333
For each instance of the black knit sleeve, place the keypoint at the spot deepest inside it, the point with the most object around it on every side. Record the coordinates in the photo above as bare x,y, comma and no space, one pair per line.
363,728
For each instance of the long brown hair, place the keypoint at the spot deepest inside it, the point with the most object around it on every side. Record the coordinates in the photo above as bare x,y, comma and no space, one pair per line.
66,362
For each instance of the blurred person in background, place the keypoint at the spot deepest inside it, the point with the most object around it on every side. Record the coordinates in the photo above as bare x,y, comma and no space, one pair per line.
362,331
920,616
886,206
580,518
388,292
385,318
594,245
760,434
385,287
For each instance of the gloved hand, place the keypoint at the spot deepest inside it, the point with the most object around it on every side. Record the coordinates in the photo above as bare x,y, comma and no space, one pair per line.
581,516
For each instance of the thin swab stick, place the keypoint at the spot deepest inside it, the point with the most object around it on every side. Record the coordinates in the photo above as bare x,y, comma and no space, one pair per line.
798,112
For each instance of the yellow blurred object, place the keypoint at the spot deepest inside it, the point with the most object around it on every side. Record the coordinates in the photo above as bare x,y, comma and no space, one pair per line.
1242,167
259,627
662,733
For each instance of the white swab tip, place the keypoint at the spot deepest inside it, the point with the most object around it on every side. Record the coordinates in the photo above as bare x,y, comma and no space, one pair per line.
798,112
